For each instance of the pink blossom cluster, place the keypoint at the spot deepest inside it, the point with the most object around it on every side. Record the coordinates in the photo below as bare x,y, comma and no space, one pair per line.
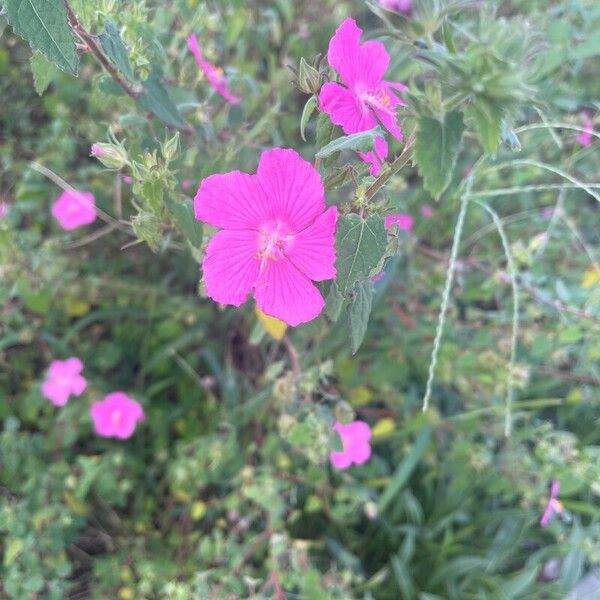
115,416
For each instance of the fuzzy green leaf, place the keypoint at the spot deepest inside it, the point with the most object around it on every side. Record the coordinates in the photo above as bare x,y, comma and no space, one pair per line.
436,150
43,71
44,24
359,312
155,98
309,108
115,49
360,142
183,213
360,244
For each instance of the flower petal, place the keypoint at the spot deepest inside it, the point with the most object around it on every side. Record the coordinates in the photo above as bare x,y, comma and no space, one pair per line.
313,249
360,453
377,156
231,201
282,291
340,460
230,266
344,109
293,187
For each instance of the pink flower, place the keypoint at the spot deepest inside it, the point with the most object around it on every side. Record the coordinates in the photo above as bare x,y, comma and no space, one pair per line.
355,438
378,277
127,179
365,99
401,6
64,379
553,506
74,209
276,236
116,416
426,211
214,75
585,137
3,209
377,156
186,184
404,221
96,150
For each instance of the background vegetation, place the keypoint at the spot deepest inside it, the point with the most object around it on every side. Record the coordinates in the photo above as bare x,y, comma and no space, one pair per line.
225,491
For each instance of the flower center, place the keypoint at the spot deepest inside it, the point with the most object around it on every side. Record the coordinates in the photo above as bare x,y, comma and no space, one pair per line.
274,239
378,99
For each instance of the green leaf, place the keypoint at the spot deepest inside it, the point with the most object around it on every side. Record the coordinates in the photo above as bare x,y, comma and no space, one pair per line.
155,98
359,312
43,71
360,142
183,213
488,124
334,302
360,244
115,49
309,108
44,24
436,150
404,469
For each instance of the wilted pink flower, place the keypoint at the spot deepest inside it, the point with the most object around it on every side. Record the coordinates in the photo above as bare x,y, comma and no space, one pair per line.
3,209
64,380
186,184
116,416
585,137
401,6
426,211
96,150
357,449
74,209
377,156
276,238
404,221
215,76
365,99
553,506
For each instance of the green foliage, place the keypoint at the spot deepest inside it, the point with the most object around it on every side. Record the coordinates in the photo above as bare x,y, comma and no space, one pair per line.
436,150
43,72
43,23
115,49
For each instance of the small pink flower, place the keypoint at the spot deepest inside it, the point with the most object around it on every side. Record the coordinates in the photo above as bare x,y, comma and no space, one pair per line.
186,184
127,179
64,380
401,6
74,209
548,212
96,150
365,99
553,506
378,277
585,138
116,416
3,209
404,221
214,75
357,449
276,236
426,211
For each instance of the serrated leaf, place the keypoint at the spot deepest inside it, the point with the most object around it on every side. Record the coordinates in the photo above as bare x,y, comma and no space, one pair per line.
43,71
488,124
44,24
155,98
115,49
183,213
360,244
359,312
309,108
436,150
360,142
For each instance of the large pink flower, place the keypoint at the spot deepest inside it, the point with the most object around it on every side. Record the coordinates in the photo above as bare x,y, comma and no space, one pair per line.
276,238
365,99
63,381
74,209
357,449
116,416
214,75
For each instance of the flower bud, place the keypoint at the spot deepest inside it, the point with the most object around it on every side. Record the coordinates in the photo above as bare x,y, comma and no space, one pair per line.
111,156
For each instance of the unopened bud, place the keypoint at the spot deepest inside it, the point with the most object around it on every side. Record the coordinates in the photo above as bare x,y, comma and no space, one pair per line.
110,155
